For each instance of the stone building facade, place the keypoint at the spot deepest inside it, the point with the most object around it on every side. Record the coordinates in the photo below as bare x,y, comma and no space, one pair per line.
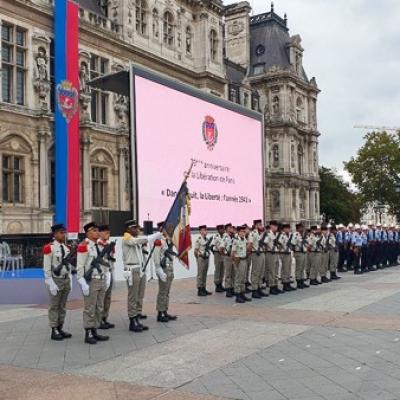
206,44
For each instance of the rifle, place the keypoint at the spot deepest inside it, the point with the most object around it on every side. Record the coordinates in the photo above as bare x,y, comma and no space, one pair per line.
304,243
168,254
65,262
99,260
261,243
276,244
319,245
207,248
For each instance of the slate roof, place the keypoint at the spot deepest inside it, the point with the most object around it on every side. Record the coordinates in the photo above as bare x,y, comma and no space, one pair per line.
234,72
91,5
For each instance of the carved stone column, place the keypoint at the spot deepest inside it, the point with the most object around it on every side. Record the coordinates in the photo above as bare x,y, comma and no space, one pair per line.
44,173
85,142
121,177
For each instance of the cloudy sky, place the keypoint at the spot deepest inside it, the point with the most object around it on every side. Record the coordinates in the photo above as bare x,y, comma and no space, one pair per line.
352,47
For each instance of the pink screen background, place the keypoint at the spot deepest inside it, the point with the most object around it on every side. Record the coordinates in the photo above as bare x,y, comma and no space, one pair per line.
169,134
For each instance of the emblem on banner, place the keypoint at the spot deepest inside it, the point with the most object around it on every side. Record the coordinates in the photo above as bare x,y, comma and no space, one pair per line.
67,99
210,132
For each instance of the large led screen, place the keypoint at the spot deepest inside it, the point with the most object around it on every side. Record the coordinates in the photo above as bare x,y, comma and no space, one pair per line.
174,125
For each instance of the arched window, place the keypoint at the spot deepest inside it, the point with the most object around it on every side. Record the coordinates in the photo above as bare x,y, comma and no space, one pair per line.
168,28
189,38
302,203
276,200
213,44
275,156
300,156
141,25
299,109
156,30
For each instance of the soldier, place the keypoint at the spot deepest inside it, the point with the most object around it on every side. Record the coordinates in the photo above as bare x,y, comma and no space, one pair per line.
102,242
239,257
286,257
248,261
333,253
324,263
255,240
164,262
297,242
57,273
218,259
314,255
134,258
226,251
202,249
91,275
271,244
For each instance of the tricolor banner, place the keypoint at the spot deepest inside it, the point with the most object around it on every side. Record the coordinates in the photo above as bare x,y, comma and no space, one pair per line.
66,28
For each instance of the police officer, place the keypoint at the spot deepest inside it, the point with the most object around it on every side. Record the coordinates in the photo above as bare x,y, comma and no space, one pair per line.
371,248
91,276
134,257
364,249
202,249
239,257
286,257
256,238
218,259
271,244
164,262
340,242
356,244
333,253
226,251
378,245
109,258
297,243
348,247
57,273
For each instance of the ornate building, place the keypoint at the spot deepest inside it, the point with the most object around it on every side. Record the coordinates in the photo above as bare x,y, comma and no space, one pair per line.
220,49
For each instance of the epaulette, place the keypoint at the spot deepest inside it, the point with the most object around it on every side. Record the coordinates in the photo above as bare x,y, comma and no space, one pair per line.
47,249
157,243
83,247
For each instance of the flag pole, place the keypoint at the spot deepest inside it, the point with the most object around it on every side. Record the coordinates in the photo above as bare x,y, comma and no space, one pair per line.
186,177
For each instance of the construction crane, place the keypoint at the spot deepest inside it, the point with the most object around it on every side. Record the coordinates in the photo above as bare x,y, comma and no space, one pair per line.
378,128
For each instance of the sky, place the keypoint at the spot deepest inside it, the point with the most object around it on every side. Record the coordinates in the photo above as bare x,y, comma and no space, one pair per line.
352,47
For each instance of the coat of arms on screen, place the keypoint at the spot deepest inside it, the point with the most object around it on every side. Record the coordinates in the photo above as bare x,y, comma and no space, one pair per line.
67,99
210,132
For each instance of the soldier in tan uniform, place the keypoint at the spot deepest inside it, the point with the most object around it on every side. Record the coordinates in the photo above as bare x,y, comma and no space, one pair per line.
286,257
92,279
314,248
333,253
202,249
109,258
324,264
57,273
299,247
271,244
256,239
134,258
226,251
218,259
164,262
248,266
239,256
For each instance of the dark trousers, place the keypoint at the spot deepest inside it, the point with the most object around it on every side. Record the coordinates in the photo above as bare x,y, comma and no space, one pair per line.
342,257
364,258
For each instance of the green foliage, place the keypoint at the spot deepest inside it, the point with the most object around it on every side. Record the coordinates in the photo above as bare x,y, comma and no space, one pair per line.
338,202
376,170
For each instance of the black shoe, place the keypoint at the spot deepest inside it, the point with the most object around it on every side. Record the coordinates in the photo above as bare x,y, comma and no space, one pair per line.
161,317
143,327
244,297
170,317
357,272
314,282
240,299
134,326
274,290
65,335
300,284
106,325
262,293
99,338
89,338
324,279
305,285
229,293
255,295
142,316
201,292
219,288
56,334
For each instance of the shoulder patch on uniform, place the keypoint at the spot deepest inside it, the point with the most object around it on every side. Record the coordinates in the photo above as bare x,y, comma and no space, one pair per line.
47,249
157,242
82,248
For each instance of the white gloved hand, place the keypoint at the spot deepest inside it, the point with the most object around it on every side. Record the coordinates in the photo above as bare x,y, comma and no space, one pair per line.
128,276
53,288
84,286
161,274
108,280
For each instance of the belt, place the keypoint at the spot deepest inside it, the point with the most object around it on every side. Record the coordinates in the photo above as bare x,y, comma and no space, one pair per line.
271,252
99,278
132,264
61,277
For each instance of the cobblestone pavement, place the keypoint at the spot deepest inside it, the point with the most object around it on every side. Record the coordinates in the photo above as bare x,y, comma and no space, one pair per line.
338,341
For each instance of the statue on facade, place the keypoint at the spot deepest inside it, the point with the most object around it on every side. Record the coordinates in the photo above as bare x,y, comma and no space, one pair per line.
42,83
84,92
121,109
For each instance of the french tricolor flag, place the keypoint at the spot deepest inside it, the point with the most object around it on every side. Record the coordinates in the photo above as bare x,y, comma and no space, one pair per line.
66,29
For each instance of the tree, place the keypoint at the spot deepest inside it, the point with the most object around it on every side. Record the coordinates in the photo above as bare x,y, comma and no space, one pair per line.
338,202
376,170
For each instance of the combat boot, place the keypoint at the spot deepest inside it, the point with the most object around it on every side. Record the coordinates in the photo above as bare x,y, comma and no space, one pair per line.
314,282
256,295
170,317
300,284
99,338
89,338
219,288
56,334
262,293
106,325
274,290
144,327
305,285
133,325
239,299
334,276
244,297
65,335
229,292
201,292
161,317
324,279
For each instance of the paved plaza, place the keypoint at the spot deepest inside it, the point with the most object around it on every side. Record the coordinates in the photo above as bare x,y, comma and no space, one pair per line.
338,341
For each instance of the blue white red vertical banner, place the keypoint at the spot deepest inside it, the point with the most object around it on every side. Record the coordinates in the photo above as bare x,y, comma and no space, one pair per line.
67,180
